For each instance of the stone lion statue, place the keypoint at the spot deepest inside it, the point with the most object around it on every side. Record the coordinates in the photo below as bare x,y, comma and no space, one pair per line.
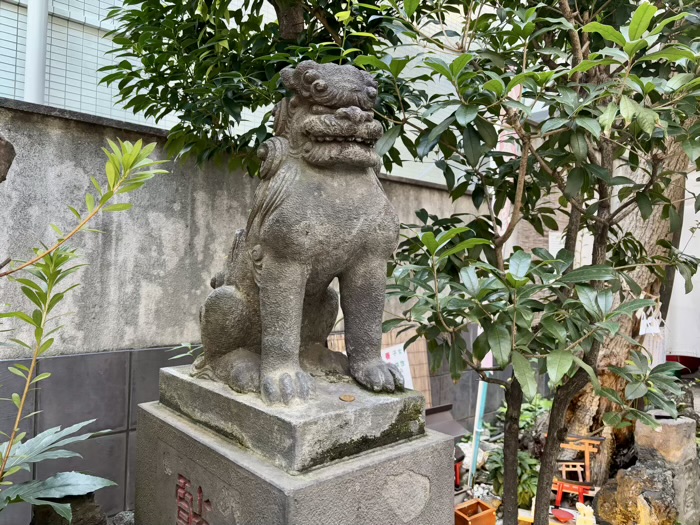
319,213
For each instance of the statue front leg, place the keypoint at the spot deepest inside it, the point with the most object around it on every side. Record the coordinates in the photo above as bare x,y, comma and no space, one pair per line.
362,290
282,287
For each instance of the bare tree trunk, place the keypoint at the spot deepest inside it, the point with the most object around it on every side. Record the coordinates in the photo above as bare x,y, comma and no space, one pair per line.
587,410
511,446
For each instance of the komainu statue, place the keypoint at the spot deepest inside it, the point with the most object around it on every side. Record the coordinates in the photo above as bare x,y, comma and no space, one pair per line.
319,213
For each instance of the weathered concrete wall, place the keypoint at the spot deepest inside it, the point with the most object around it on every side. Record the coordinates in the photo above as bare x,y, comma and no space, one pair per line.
149,273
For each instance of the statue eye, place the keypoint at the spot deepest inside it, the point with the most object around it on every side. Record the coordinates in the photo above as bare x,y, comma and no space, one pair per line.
320,86
310,76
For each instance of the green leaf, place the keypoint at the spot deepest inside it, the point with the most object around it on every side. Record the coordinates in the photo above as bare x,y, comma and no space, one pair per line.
644,204
410,6
679,80
389,325
525,375
459,63
607,118
607,32
429,241
587,65
17,372
692,149
604,299
667,368
612,419
450,234
17,402
58,486
499,343
574,181
579,147
647,119
440,66
586,274
553,124
656,30
90,202
373,61
672,54
635,391
519,264
466,114
463,246
480,347
589,124
472,146
487,131
588,296
558,364
75,212
386,142
641,19
611,326
18,315
470,280
554,328
57,230
496,86
628,108
119,207
41,377
589,370
675,219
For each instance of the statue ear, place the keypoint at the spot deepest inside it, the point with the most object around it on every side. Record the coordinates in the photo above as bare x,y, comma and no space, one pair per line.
280,113
288,80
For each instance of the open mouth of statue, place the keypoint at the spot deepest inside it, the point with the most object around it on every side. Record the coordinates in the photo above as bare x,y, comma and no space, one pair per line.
361,141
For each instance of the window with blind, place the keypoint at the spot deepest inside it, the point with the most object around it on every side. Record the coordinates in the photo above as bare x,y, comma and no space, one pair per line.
13,37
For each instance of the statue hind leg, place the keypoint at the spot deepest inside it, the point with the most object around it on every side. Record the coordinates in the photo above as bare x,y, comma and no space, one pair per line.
230,325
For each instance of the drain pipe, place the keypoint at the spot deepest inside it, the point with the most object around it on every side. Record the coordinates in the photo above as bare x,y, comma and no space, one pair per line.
479,419
35,61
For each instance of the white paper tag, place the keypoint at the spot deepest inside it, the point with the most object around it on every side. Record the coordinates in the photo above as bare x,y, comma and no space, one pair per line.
653,325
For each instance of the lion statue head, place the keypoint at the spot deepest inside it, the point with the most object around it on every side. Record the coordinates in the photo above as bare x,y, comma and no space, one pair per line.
328,120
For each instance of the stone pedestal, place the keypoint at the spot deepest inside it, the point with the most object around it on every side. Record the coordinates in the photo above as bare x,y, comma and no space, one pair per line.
223,458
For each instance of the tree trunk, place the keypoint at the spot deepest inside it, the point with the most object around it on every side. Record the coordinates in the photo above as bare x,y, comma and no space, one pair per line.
290,15
587,410
511,446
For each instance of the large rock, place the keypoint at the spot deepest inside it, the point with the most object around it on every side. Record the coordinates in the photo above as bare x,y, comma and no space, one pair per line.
84,508
674,447
642,494
673,442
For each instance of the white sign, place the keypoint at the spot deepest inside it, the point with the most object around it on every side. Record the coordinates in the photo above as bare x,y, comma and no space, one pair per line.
397,356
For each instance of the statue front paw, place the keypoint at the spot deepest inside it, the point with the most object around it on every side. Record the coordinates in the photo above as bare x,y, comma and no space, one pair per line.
284,386
377,375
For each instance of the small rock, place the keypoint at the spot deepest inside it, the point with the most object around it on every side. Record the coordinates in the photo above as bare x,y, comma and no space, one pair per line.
468,449
123,518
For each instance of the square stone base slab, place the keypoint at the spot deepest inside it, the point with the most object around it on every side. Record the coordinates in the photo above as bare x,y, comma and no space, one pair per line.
301,436
181,465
